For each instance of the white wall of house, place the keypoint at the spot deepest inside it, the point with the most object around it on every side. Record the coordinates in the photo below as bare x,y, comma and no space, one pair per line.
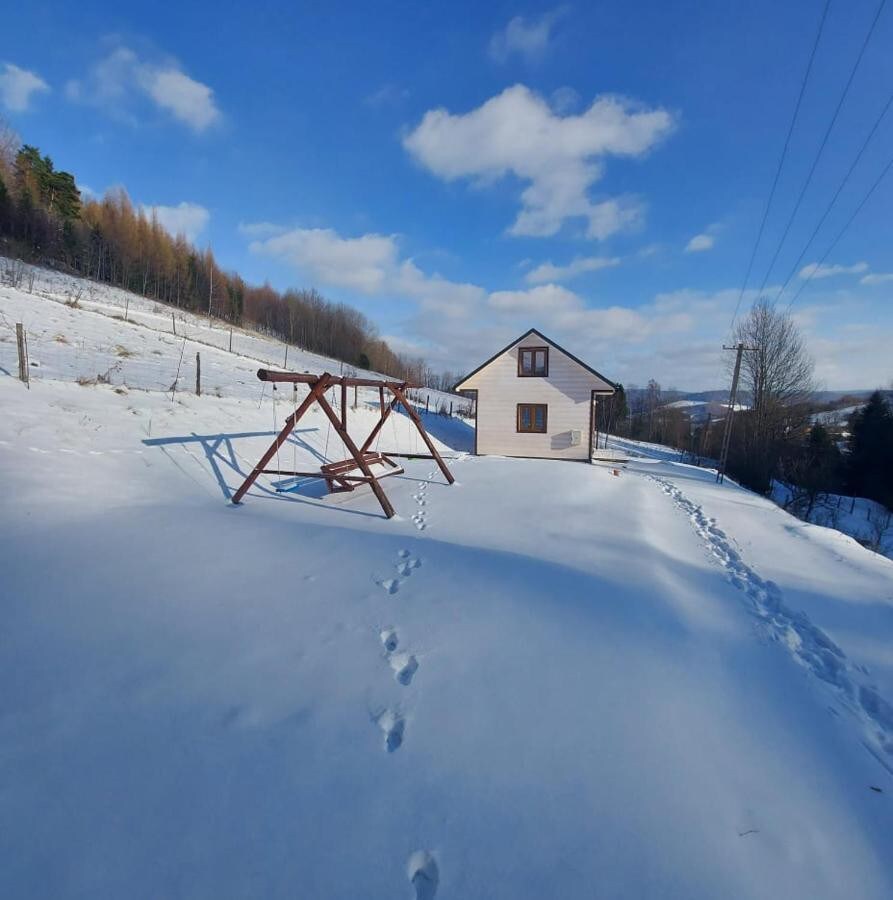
566,391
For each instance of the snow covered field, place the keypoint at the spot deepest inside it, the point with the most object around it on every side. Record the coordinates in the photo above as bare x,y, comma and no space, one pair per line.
543,681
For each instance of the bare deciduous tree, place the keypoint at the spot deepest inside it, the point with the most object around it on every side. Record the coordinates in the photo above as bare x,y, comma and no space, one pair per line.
778,373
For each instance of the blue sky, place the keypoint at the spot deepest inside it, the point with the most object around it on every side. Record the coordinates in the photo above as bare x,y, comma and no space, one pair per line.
461,172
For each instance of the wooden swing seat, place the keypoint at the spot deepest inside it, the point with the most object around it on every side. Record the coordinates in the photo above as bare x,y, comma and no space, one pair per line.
335,473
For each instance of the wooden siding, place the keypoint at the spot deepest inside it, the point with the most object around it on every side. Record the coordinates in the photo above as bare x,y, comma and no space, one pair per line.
566,390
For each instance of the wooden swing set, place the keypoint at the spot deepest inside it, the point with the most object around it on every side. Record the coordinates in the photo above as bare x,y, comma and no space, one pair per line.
337,475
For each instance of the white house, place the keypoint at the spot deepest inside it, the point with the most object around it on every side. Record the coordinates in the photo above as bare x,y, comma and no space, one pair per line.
533,398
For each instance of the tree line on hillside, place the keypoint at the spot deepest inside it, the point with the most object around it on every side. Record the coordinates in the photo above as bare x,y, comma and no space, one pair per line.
776,439
44,219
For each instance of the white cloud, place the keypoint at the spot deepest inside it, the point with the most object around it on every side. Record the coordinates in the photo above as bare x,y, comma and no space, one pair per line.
387,95
547,271
369,264
817,270
527,38
877,278
188,219
544,299
675,337
564,99
183,97
116,81
260,229
559,157
18,86
363,264
699,243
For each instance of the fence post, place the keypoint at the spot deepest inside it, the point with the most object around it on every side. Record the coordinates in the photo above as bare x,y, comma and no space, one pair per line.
427,398
451,409
285,364
24,374
198,375
173,323
231,340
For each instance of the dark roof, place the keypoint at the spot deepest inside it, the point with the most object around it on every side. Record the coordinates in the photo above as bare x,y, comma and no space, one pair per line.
539,334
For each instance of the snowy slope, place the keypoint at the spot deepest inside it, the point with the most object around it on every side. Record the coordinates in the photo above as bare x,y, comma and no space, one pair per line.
76,330
543,681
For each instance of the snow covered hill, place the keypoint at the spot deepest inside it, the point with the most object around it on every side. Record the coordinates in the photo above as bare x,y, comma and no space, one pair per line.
79,330
546,680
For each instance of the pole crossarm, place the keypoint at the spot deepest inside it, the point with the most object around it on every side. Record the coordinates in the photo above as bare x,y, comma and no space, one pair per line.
336,473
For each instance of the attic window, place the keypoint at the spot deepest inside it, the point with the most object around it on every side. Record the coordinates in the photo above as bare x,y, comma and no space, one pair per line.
533,362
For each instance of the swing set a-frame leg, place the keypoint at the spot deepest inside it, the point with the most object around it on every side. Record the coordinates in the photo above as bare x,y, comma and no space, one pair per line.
315,394
398,394
358,457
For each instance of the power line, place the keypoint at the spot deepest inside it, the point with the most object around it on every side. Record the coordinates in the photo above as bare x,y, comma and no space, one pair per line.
833,200
784,153
824,142
843,230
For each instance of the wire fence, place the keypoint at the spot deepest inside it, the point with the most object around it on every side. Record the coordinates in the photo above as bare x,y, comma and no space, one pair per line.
89,333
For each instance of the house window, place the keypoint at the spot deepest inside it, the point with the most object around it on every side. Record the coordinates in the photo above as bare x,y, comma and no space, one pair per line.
533,362
532,418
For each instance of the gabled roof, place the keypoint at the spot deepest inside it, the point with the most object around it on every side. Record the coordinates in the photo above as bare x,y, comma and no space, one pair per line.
539,334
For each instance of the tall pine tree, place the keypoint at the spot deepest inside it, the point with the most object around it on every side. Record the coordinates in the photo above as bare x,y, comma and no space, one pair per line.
870,465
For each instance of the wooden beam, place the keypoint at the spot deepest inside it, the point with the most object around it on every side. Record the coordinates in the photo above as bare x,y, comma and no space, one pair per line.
315,394
398,394
306,378
359,457
374,433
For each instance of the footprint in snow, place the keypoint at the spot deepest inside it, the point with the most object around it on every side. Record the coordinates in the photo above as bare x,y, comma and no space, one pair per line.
392,726
405,568
423,874
391,585
402,554
405,665
389,639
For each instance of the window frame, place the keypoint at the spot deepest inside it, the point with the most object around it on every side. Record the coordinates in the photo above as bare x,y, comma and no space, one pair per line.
533,408
533,373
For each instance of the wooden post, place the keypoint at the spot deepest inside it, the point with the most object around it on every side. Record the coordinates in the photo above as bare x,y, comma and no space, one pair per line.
385,412
126,307
355,397
315,393
198,375
230,338
343,405
285,364
451,409
359,458
24,374
173,324
421,428
427,400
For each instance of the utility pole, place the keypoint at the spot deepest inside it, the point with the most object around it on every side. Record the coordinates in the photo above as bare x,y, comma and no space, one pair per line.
733,395
211,288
